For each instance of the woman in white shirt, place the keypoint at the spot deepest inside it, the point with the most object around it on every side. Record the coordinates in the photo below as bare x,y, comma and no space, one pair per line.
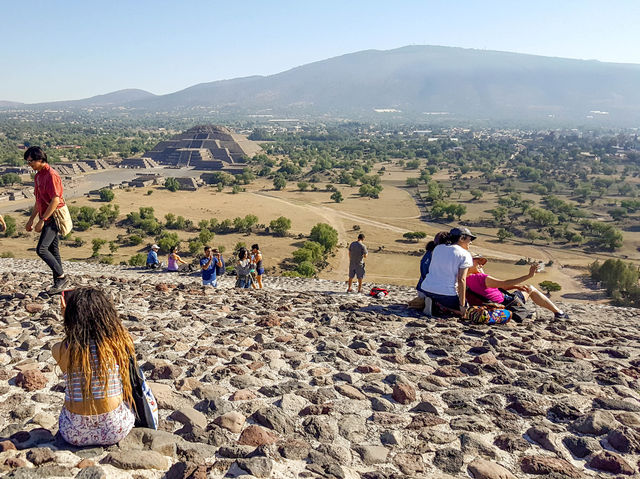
446,282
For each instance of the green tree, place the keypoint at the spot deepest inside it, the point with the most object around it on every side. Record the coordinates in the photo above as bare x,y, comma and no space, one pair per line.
549,287
503,234
476,194
279,183
280,226
96,245
113,247
172,184
107,194
167,240
337,197
615,275
325,235
303,185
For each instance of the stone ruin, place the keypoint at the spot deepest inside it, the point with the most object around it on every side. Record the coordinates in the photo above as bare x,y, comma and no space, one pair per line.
205,147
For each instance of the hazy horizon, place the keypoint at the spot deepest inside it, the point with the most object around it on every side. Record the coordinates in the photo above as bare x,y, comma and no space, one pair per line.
77,50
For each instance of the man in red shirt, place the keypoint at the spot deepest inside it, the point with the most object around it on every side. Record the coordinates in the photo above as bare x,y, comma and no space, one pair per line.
48,192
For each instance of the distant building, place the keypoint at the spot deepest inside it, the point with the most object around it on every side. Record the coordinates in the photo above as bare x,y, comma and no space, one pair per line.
205,147
138,163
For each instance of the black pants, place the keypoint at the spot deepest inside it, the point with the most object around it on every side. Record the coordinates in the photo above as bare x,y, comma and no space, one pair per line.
48,248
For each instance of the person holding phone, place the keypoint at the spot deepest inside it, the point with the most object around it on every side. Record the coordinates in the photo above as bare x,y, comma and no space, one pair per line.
498,290
208,266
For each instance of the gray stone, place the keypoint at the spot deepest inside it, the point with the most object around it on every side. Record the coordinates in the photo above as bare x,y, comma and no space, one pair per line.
189,416
448,460
274,418
372,454
482,469
258,466
93,472
595,423
136,460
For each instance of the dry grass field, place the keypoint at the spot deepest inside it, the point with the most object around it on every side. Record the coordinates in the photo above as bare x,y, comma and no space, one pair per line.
392,259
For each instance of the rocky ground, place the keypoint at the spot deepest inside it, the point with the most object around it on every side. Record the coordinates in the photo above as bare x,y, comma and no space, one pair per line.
301,380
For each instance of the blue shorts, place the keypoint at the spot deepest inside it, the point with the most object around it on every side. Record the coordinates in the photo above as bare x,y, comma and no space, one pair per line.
260,271
210,282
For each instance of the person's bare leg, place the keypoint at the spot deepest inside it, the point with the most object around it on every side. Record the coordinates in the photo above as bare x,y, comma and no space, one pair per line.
259,280
349,283
359,285
541,300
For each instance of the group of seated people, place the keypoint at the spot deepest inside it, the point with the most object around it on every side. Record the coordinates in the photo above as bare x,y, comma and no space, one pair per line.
249,267
452,278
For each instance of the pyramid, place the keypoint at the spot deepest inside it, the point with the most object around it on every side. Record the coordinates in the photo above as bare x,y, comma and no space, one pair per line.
205,147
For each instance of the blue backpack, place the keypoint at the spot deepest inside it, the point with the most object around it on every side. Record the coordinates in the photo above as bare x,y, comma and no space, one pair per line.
221,268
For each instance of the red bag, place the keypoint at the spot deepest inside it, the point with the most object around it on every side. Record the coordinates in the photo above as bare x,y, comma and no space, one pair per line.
378,292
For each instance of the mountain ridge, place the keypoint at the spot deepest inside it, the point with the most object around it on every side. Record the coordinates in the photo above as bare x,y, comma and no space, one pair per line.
413,80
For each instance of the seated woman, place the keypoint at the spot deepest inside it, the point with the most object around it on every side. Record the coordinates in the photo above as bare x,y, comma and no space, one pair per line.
94,357
490,288
243,269
445,283
175,262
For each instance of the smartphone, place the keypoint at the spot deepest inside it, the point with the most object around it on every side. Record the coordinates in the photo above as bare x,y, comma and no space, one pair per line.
540,267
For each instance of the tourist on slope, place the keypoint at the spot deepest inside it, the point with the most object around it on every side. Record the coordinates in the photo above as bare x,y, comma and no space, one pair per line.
446,281
175,262
208,266
48,192
487,287
152,258
357,254
94,357
243,269
256,259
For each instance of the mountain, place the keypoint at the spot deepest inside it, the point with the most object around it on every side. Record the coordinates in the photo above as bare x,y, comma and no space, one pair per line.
115,99
416,81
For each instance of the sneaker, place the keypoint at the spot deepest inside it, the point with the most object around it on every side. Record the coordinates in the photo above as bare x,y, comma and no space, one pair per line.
59,285
561,315
428,303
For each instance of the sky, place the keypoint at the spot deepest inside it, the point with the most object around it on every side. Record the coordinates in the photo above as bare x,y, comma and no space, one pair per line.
71,49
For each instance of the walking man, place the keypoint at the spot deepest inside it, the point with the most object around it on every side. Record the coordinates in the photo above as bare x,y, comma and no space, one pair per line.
48,192
357,254
208,265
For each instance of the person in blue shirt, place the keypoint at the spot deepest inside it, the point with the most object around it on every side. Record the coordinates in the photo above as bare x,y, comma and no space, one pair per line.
152,257
208,265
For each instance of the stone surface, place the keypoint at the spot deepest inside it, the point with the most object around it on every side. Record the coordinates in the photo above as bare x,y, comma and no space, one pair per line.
31,380
300,377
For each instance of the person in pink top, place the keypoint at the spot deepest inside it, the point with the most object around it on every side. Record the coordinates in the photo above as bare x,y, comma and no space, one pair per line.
491,288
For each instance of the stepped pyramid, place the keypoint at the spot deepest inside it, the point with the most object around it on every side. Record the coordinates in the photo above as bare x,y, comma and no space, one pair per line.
205,147
303,380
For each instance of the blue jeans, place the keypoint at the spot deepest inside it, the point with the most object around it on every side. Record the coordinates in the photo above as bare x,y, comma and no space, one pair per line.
243,281
451,302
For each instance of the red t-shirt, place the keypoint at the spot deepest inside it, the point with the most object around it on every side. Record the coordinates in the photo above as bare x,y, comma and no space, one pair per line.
477,283
48,185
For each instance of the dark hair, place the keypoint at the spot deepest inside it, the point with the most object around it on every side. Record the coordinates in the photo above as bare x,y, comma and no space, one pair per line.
242,253
172,249
440,237
91,318
448,238
255,246
360,236
207,248
431,245
35,153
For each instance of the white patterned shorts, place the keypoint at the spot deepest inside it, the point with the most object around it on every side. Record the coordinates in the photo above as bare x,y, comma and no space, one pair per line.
100,429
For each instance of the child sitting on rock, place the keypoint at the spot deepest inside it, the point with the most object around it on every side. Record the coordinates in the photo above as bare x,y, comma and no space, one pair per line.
94,357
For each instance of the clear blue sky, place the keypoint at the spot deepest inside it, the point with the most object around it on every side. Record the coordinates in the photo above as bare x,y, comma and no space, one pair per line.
70,49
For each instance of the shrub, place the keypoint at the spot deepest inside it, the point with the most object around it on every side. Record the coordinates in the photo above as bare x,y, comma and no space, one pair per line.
549,287
306,269
172,184
7,254
11,226
166,240
135,240
139,259
106,194
279,183
337,197
325,235
503,234
280,226
149,192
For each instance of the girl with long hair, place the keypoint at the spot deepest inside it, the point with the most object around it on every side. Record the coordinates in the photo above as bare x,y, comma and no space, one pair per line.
94,357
